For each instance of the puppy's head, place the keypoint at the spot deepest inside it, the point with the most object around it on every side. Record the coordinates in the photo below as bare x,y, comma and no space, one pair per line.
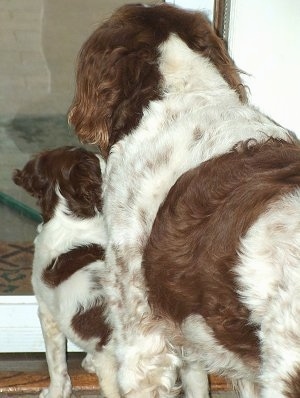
118,68
74,171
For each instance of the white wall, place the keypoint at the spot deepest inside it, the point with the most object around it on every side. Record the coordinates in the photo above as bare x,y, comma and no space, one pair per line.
204,5
264,41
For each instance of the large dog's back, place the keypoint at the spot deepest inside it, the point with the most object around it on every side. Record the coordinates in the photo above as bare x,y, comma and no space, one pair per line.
192,260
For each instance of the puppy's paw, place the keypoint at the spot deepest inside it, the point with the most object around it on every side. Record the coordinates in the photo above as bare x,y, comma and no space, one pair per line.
87,364
44,393
64,391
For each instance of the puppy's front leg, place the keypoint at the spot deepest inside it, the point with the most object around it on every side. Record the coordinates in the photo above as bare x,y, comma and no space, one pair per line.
55,343
87,364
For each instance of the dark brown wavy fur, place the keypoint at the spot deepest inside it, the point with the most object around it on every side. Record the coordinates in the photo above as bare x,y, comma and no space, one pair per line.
293,385
77,173
118,75
67,264
190,258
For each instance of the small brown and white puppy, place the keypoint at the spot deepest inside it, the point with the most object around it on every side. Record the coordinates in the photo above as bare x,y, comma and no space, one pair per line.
68,268
157,92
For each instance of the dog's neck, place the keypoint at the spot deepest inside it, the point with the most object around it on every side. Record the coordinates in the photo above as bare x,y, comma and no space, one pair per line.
185,71
65,231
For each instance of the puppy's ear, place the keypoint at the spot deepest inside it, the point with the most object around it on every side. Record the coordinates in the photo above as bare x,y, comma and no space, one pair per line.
83,188
35,179
18,178
30,180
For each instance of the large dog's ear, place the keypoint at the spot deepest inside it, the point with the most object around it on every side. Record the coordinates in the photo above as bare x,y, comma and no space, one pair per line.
214,48
117,75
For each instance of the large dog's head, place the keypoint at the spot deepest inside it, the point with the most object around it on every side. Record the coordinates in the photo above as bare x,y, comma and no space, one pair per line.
118,68
75,172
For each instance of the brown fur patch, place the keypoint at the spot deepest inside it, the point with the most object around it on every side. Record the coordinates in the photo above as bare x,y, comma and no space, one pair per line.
77,173
190,257
197,134
118,74
64,266
161,159
90,324
293,385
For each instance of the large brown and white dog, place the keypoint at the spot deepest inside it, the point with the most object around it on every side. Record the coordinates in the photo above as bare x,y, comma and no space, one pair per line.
157,92
68,268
